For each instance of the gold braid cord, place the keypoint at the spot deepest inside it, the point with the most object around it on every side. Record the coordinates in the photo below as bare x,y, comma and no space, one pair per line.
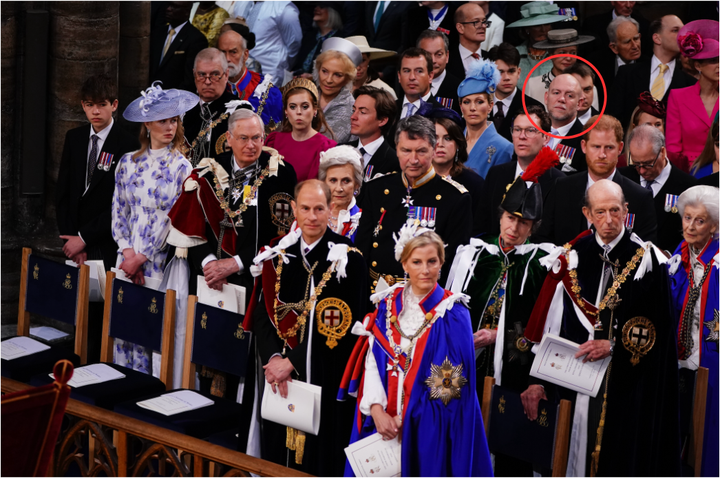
203,132
225,205
295,441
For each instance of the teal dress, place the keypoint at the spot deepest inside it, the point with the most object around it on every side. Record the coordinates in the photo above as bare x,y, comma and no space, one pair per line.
527,64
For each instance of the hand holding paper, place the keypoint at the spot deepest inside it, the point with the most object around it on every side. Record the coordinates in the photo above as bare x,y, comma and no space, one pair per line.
594,350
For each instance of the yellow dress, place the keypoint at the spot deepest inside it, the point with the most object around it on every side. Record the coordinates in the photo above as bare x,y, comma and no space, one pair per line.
210,24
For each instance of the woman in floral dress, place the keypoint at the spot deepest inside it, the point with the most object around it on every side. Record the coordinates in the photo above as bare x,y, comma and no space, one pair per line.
147,184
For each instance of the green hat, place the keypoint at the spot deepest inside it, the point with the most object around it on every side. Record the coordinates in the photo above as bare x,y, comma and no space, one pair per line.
539,13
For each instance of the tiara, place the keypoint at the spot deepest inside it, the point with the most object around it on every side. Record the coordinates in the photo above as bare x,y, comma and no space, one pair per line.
302,83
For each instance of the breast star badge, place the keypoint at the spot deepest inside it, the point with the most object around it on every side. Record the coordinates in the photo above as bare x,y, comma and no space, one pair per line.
445,381
712,325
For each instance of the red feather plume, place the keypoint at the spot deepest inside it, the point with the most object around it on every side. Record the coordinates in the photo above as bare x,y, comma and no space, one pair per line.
546,159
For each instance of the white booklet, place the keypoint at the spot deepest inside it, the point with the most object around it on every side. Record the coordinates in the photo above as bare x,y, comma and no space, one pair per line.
150,282
19,347
47,333
92,374
301,408
176,402
97,279
555,362
231,298
373,456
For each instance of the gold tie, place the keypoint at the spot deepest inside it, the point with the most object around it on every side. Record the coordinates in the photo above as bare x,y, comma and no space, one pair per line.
658,86
171,33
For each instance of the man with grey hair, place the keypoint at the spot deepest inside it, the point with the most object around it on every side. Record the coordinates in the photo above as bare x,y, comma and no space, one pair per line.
415,195
444,84
206,124
652,170
247,85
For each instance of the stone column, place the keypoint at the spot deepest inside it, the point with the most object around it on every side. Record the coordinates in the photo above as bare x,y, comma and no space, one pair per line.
134,61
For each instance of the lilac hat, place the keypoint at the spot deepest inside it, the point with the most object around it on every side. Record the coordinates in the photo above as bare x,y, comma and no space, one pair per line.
699,39
157,104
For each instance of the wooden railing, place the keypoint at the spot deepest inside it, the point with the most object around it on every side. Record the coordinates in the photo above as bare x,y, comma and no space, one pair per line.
98,441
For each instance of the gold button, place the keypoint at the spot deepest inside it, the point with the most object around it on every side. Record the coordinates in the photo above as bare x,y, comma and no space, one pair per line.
375,244
374,282
382,209
428,316
393,319
438,197
387,191
374,263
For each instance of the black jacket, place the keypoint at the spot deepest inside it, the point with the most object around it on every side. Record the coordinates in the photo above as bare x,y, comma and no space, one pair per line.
192,122
515,108
391,29
417,21
447,93
455,64
487,220
89,213
176,68
631,80
669,224
578,158
563,219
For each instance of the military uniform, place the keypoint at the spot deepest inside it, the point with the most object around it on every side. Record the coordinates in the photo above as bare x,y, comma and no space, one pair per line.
320,348
265,97
435,202
214,127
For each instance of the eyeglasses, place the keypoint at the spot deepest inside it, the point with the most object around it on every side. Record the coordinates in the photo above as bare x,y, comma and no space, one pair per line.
529,132
647,165
255,139
484,22
213,76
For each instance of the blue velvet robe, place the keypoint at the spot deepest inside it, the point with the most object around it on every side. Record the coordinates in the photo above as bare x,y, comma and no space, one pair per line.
709,304
490,150
437,439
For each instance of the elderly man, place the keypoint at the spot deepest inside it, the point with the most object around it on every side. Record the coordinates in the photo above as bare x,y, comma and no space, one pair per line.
613,301
316,287
527,143
562,216
658,75
206,124
471,23
652,170
416,194
562,99
247,85
444,85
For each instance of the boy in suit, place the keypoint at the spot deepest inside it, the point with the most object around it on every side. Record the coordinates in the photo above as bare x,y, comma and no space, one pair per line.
86,182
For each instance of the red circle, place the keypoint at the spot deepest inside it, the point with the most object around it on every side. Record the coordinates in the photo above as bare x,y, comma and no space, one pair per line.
602,112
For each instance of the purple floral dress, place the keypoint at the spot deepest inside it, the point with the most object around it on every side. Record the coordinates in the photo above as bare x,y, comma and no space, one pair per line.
145,190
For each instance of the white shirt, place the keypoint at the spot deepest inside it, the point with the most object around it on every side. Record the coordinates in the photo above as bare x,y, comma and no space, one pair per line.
370,149
415,103
518,170
561,131
590,181
506,102
655,71
660,180
467,59
436,82
585,116
606,276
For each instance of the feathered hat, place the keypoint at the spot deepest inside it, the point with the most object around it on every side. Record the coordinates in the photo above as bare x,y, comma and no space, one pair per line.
524,196
482,77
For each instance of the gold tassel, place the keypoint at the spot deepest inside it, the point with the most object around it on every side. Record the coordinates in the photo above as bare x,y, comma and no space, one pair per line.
290,440
295,441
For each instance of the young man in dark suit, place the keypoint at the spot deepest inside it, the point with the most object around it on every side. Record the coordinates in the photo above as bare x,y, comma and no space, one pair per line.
508,97
563,218
652,170
444,85
173,47
373,118
586,77
86,183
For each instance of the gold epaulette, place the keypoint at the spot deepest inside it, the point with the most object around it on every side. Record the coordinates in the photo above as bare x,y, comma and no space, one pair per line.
355,249
381,175
459,186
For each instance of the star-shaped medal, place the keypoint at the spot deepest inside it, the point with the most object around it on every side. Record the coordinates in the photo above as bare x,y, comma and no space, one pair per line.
236,194
407,202
713,326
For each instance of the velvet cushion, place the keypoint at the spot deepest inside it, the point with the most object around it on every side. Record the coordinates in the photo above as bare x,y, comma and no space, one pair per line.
23,368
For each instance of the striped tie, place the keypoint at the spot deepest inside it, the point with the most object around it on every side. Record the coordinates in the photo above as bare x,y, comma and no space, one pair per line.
658,86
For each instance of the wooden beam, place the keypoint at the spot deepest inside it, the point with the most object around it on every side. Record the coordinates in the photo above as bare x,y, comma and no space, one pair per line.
487,403
562,439
188,380
81,313
23,315
168,340
106,351
698,419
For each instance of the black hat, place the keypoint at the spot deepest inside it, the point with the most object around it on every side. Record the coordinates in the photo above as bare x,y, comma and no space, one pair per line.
243,31
526,201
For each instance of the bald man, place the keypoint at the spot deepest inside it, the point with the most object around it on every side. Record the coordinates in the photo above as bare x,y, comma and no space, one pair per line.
561,100
471,25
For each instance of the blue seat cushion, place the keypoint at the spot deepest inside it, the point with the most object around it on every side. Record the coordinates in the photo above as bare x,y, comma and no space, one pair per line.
23,368
108,394
222,415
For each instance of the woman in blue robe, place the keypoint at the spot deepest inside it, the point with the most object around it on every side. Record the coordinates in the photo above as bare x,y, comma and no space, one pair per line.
416,359
694,284
485,146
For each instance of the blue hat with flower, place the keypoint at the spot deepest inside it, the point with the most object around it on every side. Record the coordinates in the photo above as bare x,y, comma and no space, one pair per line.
482,77
157,104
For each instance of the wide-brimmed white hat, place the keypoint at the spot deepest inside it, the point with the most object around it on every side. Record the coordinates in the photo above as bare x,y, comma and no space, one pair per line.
374,53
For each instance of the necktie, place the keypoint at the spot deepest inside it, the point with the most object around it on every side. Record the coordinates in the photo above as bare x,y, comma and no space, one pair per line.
410,109
362,151
475,55
381,7
307,249
607,270
658,86
171,33
499,116
648,184
92,159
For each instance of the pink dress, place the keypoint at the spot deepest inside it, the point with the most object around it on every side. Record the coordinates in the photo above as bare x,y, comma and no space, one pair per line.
304,156
687,124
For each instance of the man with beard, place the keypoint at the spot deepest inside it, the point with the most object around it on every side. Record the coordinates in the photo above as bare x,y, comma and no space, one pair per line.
247,85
